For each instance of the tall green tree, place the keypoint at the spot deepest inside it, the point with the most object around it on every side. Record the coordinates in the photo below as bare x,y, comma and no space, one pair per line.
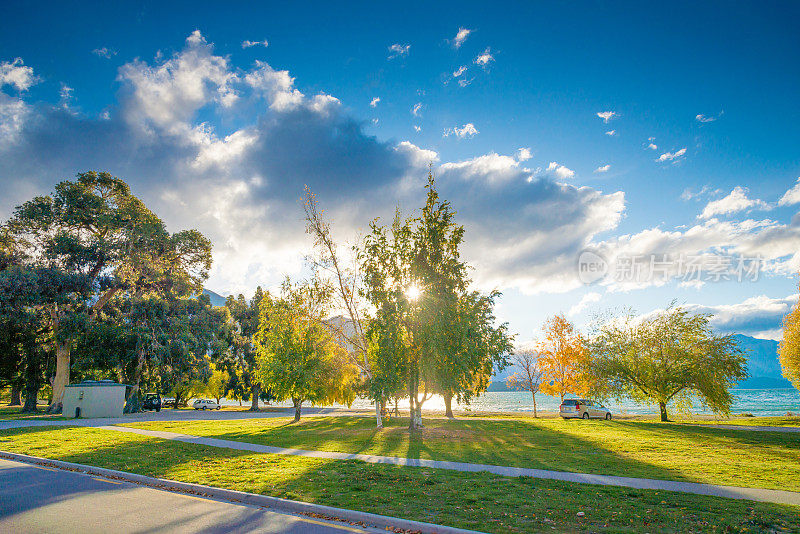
95,226
244,379
414,277
670,357
298,356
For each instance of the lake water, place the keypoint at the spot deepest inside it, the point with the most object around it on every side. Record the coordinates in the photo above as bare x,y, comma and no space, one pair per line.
758,402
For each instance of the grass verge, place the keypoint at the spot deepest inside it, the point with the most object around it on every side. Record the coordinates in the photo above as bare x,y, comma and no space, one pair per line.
629,448
12,413
479,501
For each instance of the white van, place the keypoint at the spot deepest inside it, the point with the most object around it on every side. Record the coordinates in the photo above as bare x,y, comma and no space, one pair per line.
583,409
205,404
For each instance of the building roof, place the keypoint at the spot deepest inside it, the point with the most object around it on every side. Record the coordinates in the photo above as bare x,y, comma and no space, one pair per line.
96,383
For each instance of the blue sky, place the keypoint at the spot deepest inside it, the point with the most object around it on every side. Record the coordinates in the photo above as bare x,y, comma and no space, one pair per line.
222,136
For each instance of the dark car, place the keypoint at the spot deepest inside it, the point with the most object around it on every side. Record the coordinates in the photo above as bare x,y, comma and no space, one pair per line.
152,401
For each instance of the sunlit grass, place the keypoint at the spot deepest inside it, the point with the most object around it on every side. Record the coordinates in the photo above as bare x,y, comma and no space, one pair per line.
627,448
478,501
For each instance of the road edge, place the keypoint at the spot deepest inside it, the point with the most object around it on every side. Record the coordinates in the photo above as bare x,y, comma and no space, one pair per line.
275,503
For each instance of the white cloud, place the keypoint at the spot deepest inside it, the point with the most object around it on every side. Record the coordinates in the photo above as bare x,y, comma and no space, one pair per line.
485,58
104,52
671,156
606,115
416,110
374,102
276,85
759,316
465,132
524,154
792,196
704,118
250,44
736,201
611,133
560,172
417,128
17,74
460,37
398,50
463,82
603,168
652,146
586,300
458,72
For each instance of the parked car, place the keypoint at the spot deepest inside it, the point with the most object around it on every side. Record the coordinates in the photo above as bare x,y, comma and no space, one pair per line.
168,402
152,401
583,409
205,404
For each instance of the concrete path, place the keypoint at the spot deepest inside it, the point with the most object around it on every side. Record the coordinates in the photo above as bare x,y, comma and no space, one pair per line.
40,499
733,492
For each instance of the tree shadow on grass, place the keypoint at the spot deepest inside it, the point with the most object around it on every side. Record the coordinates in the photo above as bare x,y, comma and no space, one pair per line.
480,501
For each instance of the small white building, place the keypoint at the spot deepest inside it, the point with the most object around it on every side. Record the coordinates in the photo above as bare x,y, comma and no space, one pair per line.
94,398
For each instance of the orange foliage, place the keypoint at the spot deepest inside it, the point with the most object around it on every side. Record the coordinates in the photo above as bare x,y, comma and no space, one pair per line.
563,354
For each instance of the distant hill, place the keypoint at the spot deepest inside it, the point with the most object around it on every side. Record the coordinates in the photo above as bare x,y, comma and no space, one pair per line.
216,299
763,366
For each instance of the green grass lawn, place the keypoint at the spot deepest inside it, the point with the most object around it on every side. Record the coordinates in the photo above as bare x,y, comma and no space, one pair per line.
629,448
8,413
479,501
789,421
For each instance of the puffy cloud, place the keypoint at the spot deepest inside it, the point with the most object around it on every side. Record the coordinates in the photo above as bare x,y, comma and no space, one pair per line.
524,154
104,52
398,50
559,171
242,186
603,168
460,37
459,71
606,115
672,156
465,132
17,74
416,109
611,133
485,58
585,302
736,201
792,196
759,316
374,102
250,44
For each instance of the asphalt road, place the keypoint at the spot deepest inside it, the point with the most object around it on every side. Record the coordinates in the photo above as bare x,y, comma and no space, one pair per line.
38,499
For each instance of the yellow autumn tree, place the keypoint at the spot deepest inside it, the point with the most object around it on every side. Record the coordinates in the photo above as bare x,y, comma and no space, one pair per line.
562,357
789,348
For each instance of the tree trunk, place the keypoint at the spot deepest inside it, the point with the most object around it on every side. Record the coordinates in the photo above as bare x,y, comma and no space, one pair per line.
663,407
132,405
62,376
533,394
448,406
298,405
396,407
255,391
33,380
378,416
412,397
16,400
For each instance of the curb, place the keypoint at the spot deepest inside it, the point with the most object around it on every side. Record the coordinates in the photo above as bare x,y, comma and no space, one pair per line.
391,524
